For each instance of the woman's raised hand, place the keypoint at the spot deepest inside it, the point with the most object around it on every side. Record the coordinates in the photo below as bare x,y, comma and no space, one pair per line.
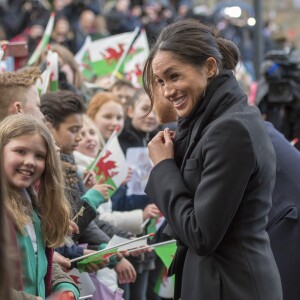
161,147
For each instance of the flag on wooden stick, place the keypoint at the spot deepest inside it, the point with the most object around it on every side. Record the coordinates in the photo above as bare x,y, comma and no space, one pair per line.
110,163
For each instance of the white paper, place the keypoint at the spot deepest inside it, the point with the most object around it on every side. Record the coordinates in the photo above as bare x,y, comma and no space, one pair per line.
138,159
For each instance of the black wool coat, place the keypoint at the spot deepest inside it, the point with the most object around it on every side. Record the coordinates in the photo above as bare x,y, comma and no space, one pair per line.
284,219
216,196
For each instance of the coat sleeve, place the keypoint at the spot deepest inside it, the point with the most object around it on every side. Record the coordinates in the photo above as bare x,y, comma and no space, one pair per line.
201,218
112,230
127,220
61,281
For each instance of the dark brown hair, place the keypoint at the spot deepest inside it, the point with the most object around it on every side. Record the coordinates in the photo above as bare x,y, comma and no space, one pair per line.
57,106
193,43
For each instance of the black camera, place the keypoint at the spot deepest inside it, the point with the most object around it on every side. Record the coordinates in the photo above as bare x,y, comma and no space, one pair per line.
280,100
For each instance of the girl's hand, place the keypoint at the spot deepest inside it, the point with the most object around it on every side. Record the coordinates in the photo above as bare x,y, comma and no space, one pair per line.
73,228
103,188
125,271
161,147
66,295
92,267
150,211
62,261
128,177
91,179
141,250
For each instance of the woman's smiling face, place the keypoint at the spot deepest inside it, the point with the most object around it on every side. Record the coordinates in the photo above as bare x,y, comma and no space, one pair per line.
181,83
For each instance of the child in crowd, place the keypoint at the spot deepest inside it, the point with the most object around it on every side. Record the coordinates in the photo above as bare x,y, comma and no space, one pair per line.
107,113
142,125
6,271
139,128
87,150
64,111
39,220
124,90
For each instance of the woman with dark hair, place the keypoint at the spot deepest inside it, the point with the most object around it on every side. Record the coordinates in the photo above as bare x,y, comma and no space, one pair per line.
213,180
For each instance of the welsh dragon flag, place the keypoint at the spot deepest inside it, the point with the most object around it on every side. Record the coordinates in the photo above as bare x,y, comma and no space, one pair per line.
111,163
83,59
83,282
164,286
52,65
42,83
105,53
133,67
155,223
50,76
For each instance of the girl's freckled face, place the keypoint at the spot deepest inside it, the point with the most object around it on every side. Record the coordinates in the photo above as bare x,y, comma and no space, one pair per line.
24,160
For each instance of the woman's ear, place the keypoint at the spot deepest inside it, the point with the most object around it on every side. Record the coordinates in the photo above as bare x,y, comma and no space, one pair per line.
211,65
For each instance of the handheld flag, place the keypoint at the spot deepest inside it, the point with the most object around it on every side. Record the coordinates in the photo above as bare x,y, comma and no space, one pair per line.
50,75
125,52
52,60
96,258
83,281
166,251
155,223
107,54
44,41
99,256
110,164
83,59
134,65
164,286
42,83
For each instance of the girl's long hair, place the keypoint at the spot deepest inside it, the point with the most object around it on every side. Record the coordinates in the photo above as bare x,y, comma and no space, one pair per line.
5,266
49,201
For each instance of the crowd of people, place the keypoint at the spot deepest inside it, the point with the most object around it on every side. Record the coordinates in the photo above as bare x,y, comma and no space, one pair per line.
218,173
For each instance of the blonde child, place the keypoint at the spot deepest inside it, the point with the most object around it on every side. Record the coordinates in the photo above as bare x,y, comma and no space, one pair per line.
40,219
108,113
86,152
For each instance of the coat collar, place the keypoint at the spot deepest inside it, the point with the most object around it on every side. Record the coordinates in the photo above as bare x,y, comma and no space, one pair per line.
221,93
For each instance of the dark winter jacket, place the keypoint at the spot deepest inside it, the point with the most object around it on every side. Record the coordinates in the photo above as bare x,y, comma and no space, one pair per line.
216,195
284,224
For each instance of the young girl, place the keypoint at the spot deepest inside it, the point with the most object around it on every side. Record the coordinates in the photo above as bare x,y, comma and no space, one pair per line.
107,113
40,219
5,266
87,151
